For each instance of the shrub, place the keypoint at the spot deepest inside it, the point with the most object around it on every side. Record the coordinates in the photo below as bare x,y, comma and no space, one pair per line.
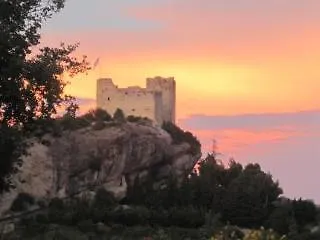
280,218
30,227
56,203
99,210
305,212
99,125
67,122
187,217
118,116
130,217
102,115
57,210
104,199
132,118
42,218
86,226
22,202
159,217
263,234
79,210
97,115
179,136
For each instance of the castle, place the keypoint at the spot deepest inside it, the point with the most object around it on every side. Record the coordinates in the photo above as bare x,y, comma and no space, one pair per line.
156,101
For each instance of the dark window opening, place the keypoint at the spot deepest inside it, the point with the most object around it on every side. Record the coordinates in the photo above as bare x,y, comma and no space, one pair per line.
132,109
108,99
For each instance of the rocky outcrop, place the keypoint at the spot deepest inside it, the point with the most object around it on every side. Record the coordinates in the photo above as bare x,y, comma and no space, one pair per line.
112,157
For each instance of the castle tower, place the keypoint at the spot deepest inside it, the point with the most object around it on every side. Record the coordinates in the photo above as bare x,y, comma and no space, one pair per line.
168,88
156,101
105,88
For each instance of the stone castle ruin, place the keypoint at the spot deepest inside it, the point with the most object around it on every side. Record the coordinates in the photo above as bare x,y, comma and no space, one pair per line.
156,101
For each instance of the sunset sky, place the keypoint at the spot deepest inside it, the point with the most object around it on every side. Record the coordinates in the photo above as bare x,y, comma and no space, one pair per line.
247,72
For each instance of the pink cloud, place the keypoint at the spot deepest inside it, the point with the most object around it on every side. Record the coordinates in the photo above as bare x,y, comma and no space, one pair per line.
284,144
235,142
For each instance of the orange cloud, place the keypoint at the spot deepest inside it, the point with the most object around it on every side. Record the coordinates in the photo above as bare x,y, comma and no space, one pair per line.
225,62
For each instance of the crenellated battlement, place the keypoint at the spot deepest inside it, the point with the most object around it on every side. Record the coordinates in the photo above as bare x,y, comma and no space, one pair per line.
156,101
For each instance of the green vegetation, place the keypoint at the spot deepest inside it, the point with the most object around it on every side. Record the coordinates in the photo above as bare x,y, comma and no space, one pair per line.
22,202
118,116
216,202
31,87
138,119
179,136
97,115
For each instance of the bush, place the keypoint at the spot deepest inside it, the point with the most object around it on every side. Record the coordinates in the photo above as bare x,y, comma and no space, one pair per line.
99,125
79,211
57,210
101,206
187,217
86,226
179,136
130,217
280,218
305,212
132,118
67,122
104,199
97,115
22,202
229,233
31,227
69,212
118,116
102,115
263,234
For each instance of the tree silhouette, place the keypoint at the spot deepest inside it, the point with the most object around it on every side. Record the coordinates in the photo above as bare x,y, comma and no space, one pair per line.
31,85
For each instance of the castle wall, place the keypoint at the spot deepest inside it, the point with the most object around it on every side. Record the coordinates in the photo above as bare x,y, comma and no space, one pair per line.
156,101
133,100
158,107
168,88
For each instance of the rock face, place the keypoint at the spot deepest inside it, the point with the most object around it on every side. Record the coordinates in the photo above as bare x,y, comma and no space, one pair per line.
86,159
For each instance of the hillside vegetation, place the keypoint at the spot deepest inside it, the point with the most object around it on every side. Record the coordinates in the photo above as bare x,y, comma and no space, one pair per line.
215,202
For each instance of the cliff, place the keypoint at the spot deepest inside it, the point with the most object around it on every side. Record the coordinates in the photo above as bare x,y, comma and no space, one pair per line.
112,157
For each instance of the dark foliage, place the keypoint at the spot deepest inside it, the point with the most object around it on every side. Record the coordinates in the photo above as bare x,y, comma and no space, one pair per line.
243,196
96,115
137,119
22,202
11,148
118,116
179,136
194,205
132,118
31,87
305,212
104,200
